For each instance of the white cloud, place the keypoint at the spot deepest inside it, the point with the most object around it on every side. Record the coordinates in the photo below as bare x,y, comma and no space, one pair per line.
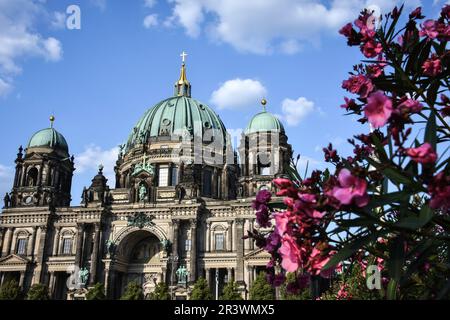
264,26
294,111
101,4
6,180
93,156
59,20
19,38
5,88
290,46
53,49
238,93
149,3
151,20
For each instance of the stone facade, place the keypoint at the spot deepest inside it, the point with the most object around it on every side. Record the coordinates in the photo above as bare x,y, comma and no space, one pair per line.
167,212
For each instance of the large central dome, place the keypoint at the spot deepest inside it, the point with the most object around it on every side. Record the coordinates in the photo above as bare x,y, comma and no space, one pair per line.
174,116
178,116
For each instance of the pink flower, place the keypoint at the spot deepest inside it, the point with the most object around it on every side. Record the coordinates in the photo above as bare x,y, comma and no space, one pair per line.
423,154
359,84
347,30
439,189
350,104
432,67
416,14
343,293
282,183
281,222
375,70
263,196
290,254
318,259
429,29
410,106
378,109
371,49
350,189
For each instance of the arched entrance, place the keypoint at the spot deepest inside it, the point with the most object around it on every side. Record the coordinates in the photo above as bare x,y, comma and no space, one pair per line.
139,258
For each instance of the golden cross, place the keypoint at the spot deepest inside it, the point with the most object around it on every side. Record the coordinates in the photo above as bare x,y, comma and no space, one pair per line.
183,56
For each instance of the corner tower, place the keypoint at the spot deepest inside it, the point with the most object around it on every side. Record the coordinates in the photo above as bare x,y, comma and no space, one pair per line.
264,152
44,173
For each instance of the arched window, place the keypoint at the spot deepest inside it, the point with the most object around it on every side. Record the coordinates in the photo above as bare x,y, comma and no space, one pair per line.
67,243
32,177
207,182
21,245
264,164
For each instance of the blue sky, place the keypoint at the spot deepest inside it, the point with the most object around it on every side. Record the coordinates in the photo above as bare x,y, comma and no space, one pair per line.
100,79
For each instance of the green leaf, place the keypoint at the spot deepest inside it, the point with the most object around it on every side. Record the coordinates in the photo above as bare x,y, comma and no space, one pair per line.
350,248
430,131
413,222
396,258
397,177
392,290
390,198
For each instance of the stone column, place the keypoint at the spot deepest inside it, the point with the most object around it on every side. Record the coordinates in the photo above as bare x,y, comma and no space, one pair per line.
39,179
24,174
230,274
79,250
94,256
230,236
251,227
208,236
107,283
56,242
51,284
251,277
175,227
8,240
33,243
239,245
2,238
22,279
40,257
208,275
193,258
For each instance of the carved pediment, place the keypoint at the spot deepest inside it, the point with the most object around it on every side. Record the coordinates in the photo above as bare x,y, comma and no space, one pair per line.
257,255
13,259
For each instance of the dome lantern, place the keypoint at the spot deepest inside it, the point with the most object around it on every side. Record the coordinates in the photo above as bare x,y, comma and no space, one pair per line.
182,86
264,122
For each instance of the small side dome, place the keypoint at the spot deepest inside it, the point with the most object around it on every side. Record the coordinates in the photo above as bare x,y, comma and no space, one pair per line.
50,138
263,122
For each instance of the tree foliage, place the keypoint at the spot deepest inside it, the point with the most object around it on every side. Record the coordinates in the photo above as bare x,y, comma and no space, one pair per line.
10,290
97,292
201,290
231,292
261,289
133,291
38,291
161,292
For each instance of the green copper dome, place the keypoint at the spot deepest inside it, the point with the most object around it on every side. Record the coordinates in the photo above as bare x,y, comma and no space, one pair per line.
49,138
174,116
263,122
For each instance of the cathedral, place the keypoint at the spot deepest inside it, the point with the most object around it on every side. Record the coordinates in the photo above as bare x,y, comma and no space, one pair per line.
179,208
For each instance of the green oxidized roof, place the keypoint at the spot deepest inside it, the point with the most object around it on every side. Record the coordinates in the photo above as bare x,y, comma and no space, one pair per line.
264,121
49,138
173,116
